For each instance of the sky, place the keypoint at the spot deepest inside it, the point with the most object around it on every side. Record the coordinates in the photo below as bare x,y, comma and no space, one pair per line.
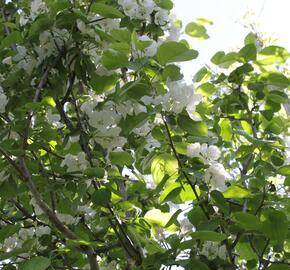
272,18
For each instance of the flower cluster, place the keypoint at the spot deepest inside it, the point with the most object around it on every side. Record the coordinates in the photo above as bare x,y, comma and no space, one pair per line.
213,250
215,174
143,9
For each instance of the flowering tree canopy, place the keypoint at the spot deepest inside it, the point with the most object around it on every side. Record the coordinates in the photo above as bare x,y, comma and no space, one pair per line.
110,160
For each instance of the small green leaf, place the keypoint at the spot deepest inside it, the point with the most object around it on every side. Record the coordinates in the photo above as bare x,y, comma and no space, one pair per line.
14,38
202,75
101,84
156,217
172,51
172,72
250,39
274,225
121,158
284,170
196,30
164,164
236,192
247,221
101,197
192,127
249,52
36,263
113,59
206,89
95,172
226,129
217,58
107,11
165,4
209,236
272,55
173,218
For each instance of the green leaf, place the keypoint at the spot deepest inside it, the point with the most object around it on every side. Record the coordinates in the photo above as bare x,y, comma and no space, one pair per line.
249,52
281,266
107,11
192,127
121,158
196,216
164,164
187,194
156,217
206,89
173,51
272,55
220,201
8,189
247,221
274,225
196,30
217,58
209,236
122,35
284,170
101,197
202,75
112,59
41,24
250,39
135,89
36,263
95,172
173,218
226,129
14,38
102,84
172,72
7,231
227,60
165,4
236,192
170,192
131,122
196,264
245,251
274,80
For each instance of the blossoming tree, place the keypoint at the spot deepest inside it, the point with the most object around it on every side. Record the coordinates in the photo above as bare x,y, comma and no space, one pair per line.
109,160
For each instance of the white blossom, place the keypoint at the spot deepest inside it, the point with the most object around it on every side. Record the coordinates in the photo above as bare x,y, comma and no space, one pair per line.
67,219
213,152
54,119
38,211
75,162
149,51
212,250
161,17
3,100
193,150
88,212
174,29
203,151
12,242
143,130
26,233
181,96
37,7
7,60
42,230
23,20
141,9
217,176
